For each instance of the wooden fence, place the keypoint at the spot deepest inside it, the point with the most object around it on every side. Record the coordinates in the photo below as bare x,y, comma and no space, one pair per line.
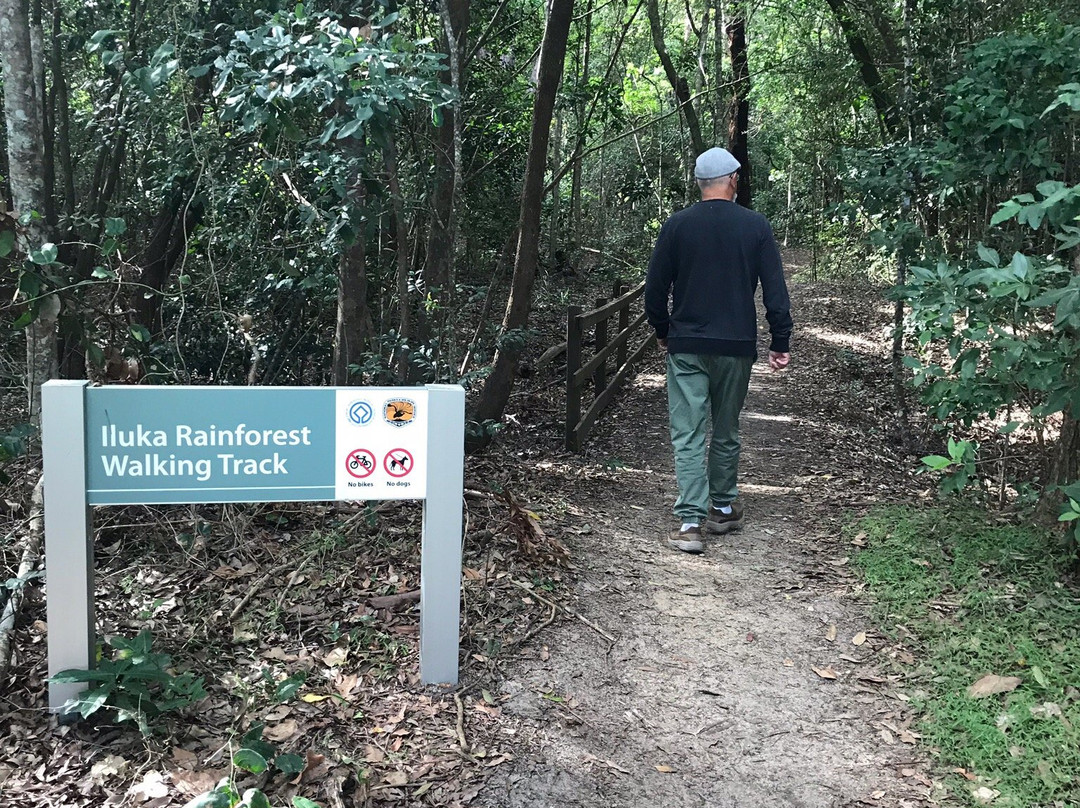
581,374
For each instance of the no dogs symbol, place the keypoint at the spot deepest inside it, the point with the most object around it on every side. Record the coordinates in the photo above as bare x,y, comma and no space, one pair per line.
360,463
398,462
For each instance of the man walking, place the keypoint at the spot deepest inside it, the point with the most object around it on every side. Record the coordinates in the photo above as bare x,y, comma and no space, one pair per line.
710,258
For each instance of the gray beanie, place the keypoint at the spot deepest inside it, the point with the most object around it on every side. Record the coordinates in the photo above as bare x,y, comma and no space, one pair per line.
716,162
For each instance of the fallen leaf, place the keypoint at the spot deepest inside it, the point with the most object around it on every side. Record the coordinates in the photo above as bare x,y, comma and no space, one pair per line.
877,795
991,684
111,766
825,673
336,657
545,654
314,698
153,785
830,634
312,761
859,638
397,779
664,769
860,540
185,758
838,562
194,783
281,732
985,795
789,663
346,684
887,736
373,754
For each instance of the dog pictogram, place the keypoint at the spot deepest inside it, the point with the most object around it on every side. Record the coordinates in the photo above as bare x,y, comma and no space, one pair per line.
398,462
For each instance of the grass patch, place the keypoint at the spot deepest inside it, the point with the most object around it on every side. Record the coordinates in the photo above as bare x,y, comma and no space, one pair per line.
969,598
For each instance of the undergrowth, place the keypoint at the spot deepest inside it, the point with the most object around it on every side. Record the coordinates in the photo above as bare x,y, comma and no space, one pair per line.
970,598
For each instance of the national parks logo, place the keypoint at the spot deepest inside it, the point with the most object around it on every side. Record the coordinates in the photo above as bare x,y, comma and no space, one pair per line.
399,411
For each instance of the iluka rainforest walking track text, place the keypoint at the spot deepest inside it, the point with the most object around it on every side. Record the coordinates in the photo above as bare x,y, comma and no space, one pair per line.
227,464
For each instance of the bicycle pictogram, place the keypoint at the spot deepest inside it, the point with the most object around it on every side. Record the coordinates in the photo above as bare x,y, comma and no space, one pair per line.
360,463
398,462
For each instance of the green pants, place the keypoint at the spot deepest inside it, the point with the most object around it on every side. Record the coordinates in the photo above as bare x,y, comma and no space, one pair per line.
704,388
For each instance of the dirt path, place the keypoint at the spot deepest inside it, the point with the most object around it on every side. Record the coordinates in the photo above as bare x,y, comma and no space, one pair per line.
708,696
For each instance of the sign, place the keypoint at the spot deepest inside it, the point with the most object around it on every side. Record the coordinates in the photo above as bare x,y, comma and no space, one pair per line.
177,445
168,445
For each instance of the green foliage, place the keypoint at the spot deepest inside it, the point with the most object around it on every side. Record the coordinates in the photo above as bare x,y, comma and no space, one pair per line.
13,445
226,795
299,63
1008,614
255,756
137,683
959,465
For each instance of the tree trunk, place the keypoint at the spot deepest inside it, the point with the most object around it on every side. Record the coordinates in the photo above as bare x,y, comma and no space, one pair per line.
171,230
576,229
678,83
25,135
401,257
354,324
720,100
739,116
447,173
497,386
879,94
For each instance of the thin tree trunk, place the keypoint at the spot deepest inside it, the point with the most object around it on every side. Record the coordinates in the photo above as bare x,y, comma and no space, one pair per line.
871,76
497,386
556,212
401,257
575,178
678,83
719,46
438,268
25,135
739,119
355,326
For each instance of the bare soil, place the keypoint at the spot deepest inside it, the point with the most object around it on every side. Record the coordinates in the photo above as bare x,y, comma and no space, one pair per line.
732,678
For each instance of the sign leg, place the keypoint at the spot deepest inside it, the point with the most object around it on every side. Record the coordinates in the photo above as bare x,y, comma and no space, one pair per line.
440,550
69,550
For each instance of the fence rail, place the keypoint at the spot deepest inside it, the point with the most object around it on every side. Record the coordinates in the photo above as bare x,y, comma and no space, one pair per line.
615,352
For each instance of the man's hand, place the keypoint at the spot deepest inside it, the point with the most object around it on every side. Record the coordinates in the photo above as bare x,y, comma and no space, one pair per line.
778,361
662,341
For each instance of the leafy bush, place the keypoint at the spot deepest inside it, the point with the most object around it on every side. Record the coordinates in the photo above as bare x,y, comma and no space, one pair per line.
136,683
255,756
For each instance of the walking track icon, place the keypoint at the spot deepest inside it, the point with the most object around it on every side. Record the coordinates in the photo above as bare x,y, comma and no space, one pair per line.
360,413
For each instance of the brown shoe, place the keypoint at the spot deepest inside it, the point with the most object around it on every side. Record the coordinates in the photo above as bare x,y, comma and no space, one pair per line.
689,540
720,522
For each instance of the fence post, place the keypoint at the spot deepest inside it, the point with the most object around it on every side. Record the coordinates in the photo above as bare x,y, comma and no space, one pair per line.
600,377
573,362
624,323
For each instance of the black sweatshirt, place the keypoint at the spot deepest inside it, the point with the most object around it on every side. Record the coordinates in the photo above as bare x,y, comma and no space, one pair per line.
711,256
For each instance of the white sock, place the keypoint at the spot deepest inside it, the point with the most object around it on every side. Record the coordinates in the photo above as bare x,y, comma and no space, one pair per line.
724,509
687,525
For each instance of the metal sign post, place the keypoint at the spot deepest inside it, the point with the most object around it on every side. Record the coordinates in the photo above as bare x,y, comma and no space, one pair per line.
170,445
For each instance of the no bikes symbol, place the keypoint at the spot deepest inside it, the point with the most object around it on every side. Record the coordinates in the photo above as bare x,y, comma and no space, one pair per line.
360,463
